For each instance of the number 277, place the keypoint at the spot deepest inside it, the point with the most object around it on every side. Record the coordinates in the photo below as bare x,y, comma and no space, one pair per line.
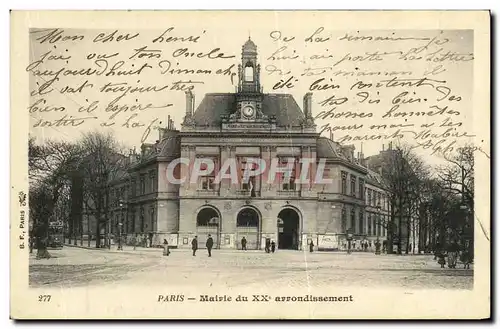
44,298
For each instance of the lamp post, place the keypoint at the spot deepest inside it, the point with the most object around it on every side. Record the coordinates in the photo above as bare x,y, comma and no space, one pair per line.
120,225
465,230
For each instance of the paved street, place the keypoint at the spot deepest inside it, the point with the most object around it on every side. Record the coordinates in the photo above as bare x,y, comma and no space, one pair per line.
85,267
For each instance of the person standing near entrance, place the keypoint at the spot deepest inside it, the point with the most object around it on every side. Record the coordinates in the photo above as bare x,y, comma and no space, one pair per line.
166,252
273,246
311,246
194,245
243,243
268,245
209,245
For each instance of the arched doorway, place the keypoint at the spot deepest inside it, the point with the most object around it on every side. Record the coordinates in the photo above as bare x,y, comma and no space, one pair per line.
208,222
248,226
288,229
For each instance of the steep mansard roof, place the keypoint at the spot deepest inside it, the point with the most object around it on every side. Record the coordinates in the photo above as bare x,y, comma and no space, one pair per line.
283,106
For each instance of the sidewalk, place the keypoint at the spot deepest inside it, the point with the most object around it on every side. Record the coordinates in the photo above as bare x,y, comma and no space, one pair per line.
113,248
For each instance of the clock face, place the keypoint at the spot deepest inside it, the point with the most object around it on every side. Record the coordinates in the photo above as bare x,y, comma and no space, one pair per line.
248,111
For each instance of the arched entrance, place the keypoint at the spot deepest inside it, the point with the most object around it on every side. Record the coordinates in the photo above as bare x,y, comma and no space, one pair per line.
288,229
208,222
248,226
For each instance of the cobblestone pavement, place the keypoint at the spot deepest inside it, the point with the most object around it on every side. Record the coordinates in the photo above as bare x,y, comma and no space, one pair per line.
83,267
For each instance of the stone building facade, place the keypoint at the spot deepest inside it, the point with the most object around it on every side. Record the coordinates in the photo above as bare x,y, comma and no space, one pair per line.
249,124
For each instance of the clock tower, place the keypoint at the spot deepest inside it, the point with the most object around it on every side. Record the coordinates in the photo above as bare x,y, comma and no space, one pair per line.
249,97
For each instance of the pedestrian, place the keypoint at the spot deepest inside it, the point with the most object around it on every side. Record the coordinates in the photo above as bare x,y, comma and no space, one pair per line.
453,249
466,259
437,250
166,251
311,246
268,245
30,242
441,258
194,245
243,243
273,246
150,239
209,245
135,241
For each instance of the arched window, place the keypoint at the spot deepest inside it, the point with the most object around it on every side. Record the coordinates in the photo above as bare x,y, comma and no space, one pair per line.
249,73
207,217
247,217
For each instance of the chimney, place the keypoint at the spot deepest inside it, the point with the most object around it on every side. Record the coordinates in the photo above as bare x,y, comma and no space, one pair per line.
192,103
168,122
308,105
189,103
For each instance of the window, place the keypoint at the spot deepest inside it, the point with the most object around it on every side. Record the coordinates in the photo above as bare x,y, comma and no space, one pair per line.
353,220
249,73
287,182
133,187
142,182
361,188
206,183
374,201
142,219
152,221
344,182
132,221
112,196
343,221
353,185
374,224
152,181
122,193
378,226
369,222
361,221
369,196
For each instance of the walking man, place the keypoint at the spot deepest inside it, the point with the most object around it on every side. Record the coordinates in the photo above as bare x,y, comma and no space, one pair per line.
273,246
209,244
243,243
194,245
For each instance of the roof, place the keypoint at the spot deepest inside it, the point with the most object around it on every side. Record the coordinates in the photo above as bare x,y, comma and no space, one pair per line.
374,178
167,147
249,46
327,148
214,105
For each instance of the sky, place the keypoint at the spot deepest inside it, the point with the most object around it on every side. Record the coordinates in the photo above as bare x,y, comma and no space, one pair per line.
314,57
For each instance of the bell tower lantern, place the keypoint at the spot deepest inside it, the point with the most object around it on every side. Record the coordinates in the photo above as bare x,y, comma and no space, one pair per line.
249,70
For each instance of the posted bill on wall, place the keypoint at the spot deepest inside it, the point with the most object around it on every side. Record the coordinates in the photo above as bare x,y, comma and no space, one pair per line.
250,164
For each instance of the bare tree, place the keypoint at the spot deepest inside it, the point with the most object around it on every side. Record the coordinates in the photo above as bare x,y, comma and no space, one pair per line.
102,163
50,168
457,179
403,173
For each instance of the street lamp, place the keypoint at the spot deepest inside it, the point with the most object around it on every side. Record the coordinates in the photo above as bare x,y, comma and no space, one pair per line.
120,224
466,229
